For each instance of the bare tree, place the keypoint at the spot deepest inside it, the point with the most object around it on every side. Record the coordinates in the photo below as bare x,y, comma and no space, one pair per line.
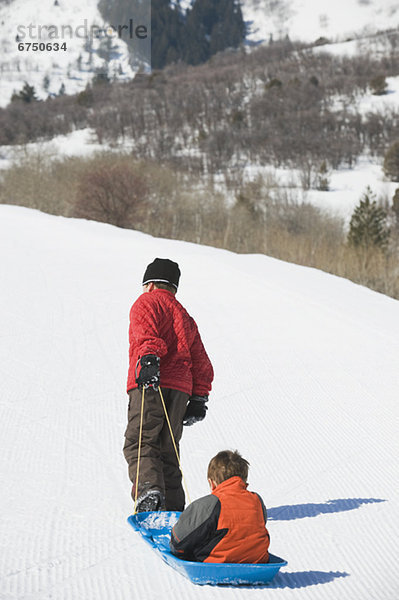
112,193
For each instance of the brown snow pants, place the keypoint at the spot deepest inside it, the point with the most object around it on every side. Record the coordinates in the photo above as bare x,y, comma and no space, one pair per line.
159,467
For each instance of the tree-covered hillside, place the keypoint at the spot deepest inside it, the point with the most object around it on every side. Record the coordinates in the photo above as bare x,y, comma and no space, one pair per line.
206,28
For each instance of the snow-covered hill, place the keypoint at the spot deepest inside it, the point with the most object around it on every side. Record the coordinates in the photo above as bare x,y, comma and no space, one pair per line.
308,20
305,20
306,388
73,22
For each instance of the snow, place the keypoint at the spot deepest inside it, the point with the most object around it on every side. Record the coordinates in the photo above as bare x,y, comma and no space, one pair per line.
308,20
305,20
80,142
385,102
60,66
348,185
376,45
306,388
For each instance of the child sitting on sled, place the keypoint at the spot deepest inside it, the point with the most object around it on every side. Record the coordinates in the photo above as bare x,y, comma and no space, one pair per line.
228,525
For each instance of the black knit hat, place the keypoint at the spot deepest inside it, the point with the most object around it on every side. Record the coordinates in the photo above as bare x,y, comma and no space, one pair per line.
162,270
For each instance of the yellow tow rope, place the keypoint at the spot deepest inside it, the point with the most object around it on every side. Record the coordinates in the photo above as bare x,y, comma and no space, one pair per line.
139,453
174,445
139,449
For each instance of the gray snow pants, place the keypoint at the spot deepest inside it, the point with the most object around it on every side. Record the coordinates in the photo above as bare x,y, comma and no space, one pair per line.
159,467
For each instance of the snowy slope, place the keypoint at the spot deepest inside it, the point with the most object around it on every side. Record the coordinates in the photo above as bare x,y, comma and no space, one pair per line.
305,20
74,18
306,388
308,20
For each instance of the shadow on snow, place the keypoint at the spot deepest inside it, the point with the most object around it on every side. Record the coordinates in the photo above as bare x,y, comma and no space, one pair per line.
300,511
296,580
303,579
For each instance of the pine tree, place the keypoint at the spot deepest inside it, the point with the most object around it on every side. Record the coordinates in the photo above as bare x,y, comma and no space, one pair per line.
212,26
106,49
209,26
166,33
27,94
391,162
233,27
368,225
395,205
195,43
46,82
88,46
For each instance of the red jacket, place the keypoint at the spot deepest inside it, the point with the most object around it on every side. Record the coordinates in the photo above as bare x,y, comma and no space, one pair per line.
227,526
160,325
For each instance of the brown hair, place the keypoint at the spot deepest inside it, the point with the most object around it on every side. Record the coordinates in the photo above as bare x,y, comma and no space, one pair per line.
159,285
227,464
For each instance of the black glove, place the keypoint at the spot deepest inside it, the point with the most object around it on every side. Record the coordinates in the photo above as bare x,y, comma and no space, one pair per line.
149,372
196,410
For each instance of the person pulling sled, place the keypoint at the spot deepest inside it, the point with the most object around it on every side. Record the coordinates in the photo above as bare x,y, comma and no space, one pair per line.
165,351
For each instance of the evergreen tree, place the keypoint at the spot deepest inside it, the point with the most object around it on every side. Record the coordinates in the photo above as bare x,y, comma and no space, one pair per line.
212,26
27,94
391,162
88,46
86,97
395,205
195,40
46,82
209,26
101,76
368,225
106,49
231,26
166,33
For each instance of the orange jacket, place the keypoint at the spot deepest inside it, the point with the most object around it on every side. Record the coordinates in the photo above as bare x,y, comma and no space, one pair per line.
227,526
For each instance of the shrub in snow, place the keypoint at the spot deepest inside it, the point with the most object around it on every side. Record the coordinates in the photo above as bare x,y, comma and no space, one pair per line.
322,41
368,225
378,85
273,83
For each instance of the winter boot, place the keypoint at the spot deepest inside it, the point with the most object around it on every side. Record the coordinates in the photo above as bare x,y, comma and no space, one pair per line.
150,501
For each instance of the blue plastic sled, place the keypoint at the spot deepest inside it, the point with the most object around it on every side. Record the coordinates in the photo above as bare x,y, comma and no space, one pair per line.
155,528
